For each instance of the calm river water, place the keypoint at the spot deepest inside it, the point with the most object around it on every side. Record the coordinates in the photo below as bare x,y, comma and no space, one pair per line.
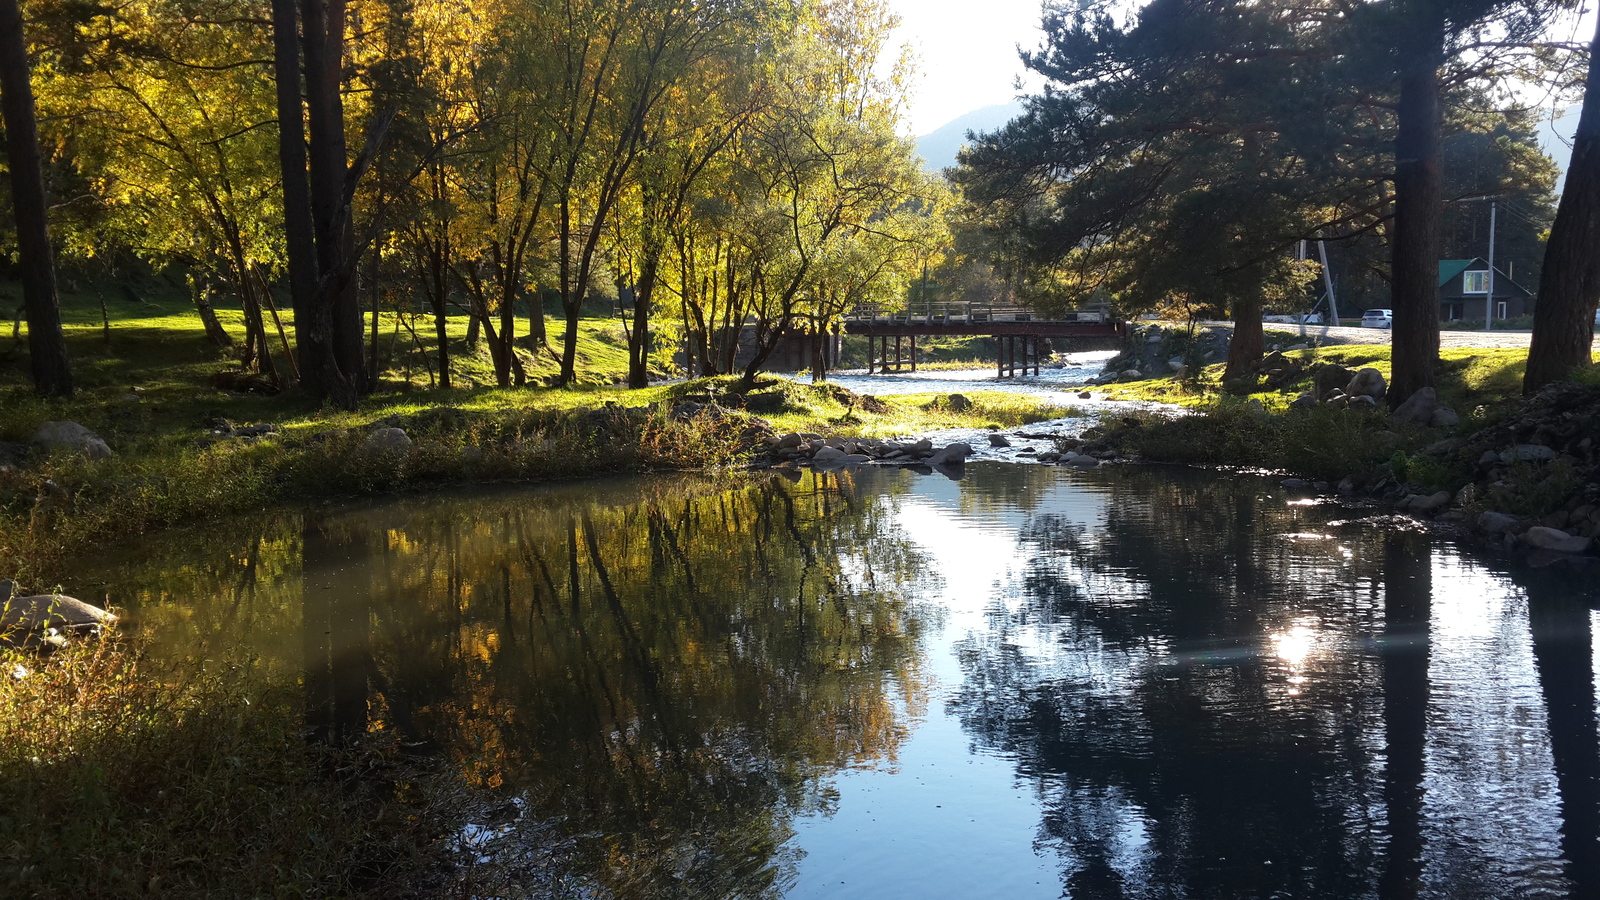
1032,682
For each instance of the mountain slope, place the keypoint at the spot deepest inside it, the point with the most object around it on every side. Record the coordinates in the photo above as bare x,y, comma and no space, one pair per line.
938,147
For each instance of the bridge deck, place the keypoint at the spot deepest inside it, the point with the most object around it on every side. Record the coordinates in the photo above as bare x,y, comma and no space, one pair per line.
965,319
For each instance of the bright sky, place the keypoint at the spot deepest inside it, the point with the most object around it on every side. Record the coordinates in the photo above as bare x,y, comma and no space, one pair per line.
967,54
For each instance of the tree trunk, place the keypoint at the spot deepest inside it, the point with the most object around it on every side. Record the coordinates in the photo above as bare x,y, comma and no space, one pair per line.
439,298
1569,288
1418,193
215,333
311,330
322,30
639,337
1244,348
47,345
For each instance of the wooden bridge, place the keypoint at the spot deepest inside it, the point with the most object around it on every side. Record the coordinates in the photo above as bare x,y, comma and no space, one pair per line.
1019,332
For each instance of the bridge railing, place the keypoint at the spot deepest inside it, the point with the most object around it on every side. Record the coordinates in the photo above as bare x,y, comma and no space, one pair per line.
967,313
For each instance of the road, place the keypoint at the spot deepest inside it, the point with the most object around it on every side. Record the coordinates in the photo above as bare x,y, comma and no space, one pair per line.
1477,339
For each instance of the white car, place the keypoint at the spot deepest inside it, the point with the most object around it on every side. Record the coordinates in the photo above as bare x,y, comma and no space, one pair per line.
1378,318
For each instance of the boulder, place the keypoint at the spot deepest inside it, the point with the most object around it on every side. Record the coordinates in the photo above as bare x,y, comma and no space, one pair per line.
387,440
1080,461
1528,453
72,437
998,440
1176,365
20,616
1426,503
1306,400
1367,383
1256,407
827,454
1418,408
1330,378
954,453
1542,538
1444,417
1497,523
1085,395
958,402
1361,401
790,440
922,447
854,459
1294,484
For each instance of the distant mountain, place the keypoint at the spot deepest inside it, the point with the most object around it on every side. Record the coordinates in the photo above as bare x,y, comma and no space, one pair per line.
938,148
1556,139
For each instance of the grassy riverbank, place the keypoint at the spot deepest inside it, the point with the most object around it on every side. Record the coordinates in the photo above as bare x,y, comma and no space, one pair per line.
146,390
1367,450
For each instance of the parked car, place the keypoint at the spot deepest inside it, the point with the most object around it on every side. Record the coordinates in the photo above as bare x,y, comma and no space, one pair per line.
1378,318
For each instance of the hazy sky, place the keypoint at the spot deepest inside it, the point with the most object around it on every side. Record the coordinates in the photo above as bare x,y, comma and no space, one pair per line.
968,54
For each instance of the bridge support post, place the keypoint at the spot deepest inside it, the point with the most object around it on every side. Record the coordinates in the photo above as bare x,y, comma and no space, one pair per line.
913,353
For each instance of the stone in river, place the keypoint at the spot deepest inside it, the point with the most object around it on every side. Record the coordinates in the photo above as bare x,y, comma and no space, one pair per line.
954,453
1543,538
998,440
827,454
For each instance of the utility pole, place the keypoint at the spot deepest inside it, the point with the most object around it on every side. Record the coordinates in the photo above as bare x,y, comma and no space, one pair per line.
1488,304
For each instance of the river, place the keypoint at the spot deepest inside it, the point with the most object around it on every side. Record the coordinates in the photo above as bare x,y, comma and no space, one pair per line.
1029,682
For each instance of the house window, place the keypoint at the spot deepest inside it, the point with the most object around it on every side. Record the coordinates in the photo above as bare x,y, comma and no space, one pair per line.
1475,282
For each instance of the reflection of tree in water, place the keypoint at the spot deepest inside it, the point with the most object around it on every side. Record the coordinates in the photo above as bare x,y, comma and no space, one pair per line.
674,670
1171,679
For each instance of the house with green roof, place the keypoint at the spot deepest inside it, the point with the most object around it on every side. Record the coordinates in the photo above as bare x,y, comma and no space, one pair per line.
1464,291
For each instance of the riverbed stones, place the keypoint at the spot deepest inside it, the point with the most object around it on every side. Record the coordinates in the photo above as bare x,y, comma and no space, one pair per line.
1367,382
1541,538
790,441
72,437
827,454
387,441
1080,461
1418,408
999,440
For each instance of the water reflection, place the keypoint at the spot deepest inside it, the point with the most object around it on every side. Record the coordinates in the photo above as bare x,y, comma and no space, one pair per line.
674,669
1200,689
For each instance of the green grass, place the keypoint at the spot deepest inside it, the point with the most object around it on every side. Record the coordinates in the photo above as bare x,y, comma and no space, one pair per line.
1467,378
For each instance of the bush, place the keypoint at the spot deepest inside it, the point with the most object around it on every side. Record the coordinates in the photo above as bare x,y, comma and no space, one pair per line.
124,776
1318,443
